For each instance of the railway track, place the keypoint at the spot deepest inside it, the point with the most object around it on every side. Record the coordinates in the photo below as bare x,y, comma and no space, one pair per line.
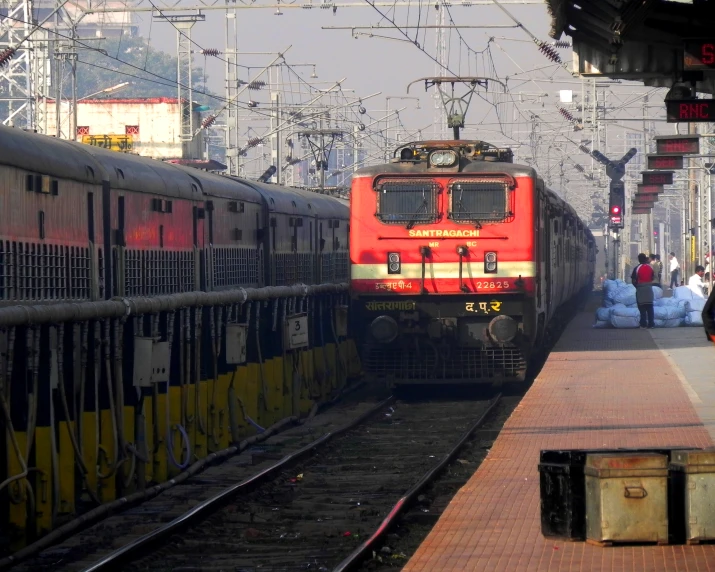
316,509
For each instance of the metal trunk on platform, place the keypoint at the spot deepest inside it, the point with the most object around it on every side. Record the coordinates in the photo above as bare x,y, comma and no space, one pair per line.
626,498
693,494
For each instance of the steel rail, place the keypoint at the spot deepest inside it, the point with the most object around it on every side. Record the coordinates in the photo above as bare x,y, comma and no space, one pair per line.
117,307
355,559
134,549
107,509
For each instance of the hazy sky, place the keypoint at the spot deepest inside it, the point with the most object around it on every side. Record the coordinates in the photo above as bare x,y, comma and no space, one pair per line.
387,66
383,65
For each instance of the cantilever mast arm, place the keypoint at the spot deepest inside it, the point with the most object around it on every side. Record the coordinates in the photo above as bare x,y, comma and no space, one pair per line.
456,79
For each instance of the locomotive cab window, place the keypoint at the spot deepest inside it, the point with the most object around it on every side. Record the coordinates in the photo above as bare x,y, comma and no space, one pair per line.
479,201
407,202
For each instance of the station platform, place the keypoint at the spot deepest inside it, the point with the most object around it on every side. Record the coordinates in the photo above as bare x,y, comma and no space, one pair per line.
600,388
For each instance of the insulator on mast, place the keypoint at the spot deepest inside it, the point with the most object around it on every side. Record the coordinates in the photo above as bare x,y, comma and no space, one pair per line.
549,52
6,56
566,114
210,52
561,44
209,121
253,142
257,84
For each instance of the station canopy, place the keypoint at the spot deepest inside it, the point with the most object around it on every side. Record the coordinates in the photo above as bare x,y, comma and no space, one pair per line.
639,40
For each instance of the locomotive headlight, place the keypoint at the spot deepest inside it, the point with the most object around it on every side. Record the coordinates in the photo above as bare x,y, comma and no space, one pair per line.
394,265
490,262
443,158
503,329
384,329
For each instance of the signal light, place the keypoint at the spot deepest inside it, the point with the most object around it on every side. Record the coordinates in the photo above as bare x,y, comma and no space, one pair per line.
615,210
490,262
393,263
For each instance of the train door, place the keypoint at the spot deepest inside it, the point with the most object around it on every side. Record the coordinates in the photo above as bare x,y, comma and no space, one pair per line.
322,278
538,247
210,248
263,246
119,251
199,214
547,254
557,278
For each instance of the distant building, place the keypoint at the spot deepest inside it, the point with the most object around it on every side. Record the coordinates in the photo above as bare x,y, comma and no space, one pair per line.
97,24
149,127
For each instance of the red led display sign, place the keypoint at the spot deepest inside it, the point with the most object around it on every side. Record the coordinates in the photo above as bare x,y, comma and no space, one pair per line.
670,145
690,110
649,189
665,162
699,55
657,178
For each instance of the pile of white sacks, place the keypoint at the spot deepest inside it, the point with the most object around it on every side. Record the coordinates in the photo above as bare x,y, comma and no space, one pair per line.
619,309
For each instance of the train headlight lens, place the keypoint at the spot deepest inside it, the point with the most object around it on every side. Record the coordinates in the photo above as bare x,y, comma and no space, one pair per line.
384,329
503,329
490,262
394,265
443,158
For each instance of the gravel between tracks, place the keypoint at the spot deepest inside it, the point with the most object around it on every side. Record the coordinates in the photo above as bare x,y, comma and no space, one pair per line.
415,524
86,547
316,512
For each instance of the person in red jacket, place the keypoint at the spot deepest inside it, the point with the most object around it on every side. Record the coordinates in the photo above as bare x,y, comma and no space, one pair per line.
642,278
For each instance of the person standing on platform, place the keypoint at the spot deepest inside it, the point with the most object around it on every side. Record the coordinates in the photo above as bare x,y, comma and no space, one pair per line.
696,284
659,271
642,278
653,261
673,267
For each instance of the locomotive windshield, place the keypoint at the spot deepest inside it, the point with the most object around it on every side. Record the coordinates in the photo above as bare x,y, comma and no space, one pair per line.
482,201
407,202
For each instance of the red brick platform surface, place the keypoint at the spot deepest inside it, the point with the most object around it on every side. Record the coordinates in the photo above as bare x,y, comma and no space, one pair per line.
599,388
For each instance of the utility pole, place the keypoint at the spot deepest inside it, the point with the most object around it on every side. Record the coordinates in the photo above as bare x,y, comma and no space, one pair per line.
231,114
276,137
440,68
321,143
693,210
57,76
17,79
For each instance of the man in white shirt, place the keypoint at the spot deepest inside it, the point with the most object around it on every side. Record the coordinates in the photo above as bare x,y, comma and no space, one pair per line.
673,268
696,282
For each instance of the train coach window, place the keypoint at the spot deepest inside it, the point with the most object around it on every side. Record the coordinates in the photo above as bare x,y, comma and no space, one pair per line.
407,201
479,201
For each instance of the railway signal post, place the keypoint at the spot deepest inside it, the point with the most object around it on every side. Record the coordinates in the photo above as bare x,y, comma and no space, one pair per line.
616,198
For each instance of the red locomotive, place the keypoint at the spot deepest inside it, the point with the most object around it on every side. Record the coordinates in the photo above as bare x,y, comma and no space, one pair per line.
460,263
